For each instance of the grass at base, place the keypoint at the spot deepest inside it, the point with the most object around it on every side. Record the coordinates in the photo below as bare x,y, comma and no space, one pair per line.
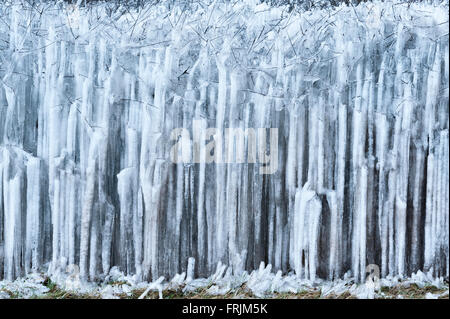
411,291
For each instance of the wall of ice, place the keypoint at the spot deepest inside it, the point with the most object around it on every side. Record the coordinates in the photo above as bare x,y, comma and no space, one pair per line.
89,98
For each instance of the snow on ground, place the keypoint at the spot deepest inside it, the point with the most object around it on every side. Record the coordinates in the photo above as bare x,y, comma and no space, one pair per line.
261,283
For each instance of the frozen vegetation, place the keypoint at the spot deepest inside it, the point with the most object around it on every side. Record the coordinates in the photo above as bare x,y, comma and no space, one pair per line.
89,98
262,283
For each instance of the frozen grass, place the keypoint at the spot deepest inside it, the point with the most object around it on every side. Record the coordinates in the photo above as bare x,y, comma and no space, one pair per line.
43,287
397,292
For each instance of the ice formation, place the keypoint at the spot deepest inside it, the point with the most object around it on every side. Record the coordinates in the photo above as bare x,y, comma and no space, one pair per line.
260,283
89,98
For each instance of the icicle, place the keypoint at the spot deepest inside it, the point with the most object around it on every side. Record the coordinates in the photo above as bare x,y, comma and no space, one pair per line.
33,252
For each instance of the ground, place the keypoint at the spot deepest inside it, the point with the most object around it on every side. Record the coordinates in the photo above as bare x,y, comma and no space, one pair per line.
46,288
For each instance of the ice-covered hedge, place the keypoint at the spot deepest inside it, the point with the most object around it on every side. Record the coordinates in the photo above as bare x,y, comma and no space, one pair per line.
89,98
